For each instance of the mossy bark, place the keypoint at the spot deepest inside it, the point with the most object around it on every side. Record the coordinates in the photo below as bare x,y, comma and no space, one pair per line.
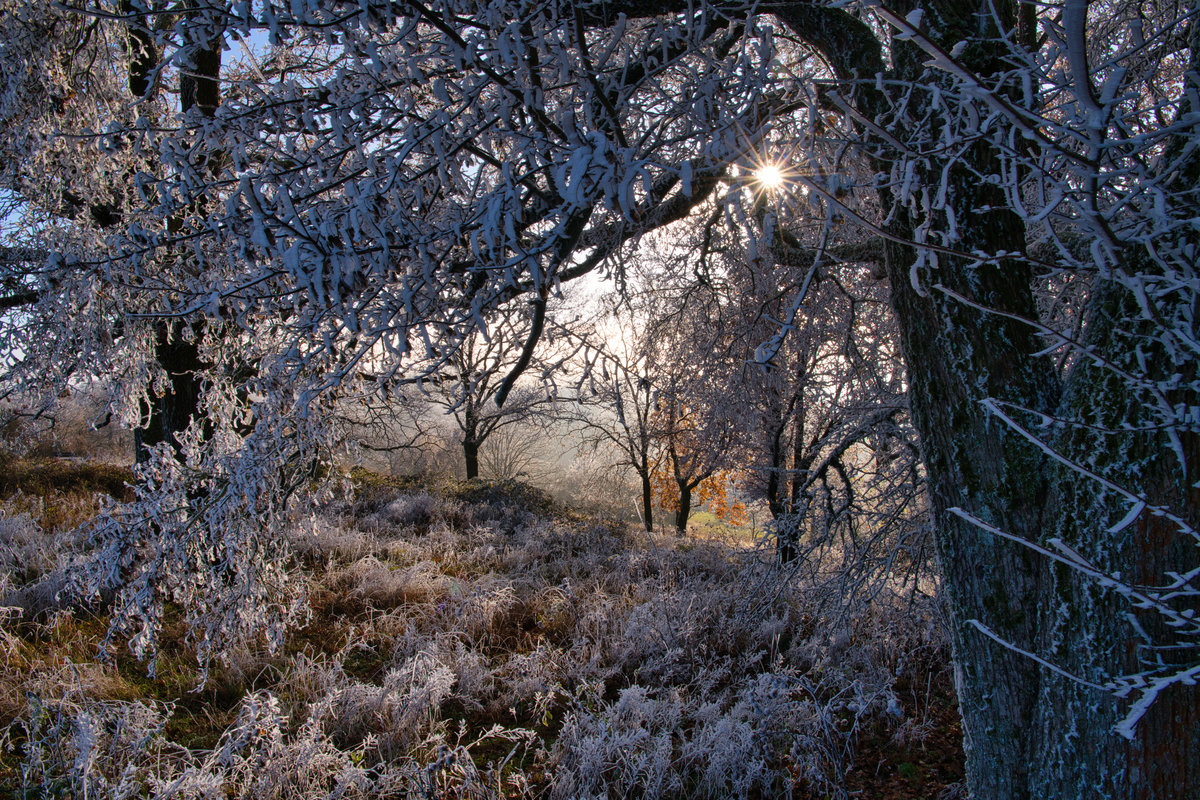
1029,732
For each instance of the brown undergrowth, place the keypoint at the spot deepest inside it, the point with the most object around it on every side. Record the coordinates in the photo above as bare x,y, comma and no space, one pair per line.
475,640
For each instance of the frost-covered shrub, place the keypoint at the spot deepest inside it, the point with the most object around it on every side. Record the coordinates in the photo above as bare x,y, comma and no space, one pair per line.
89,748
751,741
533,680
410,510
399,712
699,623
387,585
25,550
326,539
623,750
33,565
117,750
651,668
744,748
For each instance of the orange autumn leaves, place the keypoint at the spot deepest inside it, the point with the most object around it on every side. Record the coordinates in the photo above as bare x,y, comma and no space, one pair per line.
714,494
691,465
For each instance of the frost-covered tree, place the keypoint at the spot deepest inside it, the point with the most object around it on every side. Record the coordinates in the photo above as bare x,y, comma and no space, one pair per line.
666,380
616,402
465,387
375,179
810,398
1059,499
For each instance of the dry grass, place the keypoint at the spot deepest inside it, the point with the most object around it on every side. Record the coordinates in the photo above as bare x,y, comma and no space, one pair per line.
474,640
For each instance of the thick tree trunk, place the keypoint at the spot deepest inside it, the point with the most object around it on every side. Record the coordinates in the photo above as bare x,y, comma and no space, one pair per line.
684,509
1085,629
1029,732
799,472
777,486
786,530
471,456
957,357
171,412
175,409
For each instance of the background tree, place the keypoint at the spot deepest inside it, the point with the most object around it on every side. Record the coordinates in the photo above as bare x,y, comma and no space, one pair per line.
615,402
814,380
531,452
465,388
697,447
398,434
619,415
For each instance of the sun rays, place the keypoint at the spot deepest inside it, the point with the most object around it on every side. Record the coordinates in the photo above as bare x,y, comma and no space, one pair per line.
773,178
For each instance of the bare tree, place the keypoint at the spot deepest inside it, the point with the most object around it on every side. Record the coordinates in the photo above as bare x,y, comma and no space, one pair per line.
466,387
616,403
530,452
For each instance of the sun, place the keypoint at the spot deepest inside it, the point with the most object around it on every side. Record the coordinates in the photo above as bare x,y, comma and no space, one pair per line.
770,177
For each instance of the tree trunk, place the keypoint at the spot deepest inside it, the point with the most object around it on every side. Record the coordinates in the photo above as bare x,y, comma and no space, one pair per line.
175,409
471,456
1030,733
776,480
786,527
975,465
1084,628
685,509
647,499
801,460
179,406
787,542
957,357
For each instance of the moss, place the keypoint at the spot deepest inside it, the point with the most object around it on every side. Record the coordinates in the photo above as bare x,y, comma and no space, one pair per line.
1005,615
365,480
508,492
46,476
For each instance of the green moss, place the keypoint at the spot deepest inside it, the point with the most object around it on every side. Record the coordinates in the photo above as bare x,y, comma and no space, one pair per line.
365,480
507,492
46,476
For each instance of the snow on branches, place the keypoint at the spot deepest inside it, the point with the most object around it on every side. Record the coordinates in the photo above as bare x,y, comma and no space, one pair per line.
250,206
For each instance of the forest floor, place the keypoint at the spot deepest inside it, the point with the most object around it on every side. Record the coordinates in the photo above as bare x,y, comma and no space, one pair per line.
475,640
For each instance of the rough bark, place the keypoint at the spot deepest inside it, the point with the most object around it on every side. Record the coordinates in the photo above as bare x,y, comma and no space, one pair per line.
685,509
957,357
1085,629
777,481
775,477
172,411
1028,731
